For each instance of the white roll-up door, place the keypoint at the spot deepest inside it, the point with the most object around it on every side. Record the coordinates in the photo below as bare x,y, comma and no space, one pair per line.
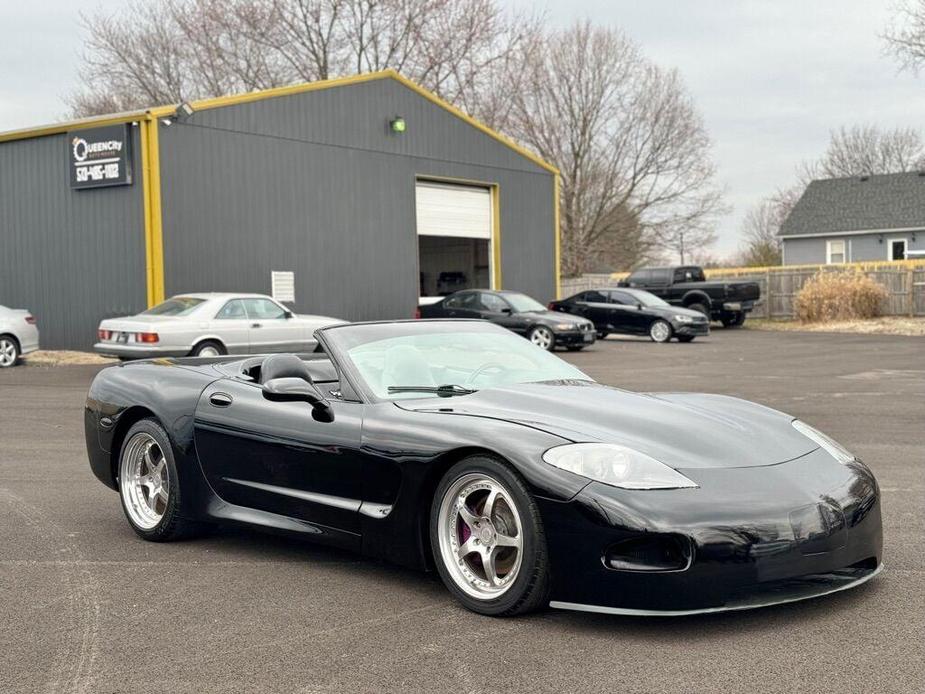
453,210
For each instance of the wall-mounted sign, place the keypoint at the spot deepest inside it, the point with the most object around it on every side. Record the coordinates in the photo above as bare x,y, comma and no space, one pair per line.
99,157
283,285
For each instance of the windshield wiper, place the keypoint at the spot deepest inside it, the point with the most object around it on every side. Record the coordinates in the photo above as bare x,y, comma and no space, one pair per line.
444,391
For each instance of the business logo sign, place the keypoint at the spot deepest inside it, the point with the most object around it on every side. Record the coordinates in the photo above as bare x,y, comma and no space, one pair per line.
99,157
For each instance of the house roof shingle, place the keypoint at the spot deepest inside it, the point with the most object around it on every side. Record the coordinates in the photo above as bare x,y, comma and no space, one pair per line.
859,203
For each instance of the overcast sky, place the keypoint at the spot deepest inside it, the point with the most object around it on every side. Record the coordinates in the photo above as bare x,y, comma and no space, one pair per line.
771,77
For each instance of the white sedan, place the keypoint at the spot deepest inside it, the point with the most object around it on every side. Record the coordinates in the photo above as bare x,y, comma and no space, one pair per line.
208,325
18,335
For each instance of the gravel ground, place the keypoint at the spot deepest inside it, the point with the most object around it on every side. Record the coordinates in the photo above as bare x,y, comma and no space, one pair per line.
85,606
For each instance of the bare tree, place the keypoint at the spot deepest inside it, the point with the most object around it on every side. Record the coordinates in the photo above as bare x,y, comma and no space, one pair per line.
866,150
631,148
168,51
760,229
905,35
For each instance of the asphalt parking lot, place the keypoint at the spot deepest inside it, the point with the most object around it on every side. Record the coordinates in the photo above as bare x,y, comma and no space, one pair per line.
86,606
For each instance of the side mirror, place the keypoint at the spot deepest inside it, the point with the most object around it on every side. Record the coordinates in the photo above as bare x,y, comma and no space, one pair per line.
292,389
287,314
639,305
507,311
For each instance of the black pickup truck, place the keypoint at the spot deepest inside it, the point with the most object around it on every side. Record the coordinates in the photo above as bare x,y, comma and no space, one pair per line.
686,285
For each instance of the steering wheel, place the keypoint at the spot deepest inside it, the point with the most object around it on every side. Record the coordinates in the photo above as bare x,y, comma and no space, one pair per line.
484,368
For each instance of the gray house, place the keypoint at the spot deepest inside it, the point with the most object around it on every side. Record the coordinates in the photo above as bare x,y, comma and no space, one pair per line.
862,218
351,197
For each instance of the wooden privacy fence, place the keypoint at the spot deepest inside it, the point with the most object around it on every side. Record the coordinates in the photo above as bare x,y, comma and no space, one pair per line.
904,281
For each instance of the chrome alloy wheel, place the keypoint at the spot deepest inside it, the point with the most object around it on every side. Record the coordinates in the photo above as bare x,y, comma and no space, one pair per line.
8,352
660,331
143,481
541,336
480,536
208,351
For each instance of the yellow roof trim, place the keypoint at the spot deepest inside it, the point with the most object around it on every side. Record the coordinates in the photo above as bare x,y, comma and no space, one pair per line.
217,102
57,128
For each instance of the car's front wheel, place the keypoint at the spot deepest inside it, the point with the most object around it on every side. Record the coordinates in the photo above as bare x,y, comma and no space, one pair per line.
487,538
149,485
9,351
660,331
543,337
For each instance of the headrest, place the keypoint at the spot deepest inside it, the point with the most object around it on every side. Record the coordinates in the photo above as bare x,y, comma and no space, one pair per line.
283,366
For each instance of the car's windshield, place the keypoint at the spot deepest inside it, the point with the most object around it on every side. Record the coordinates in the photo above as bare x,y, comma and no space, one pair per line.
647,299
522,302
428,355
176,306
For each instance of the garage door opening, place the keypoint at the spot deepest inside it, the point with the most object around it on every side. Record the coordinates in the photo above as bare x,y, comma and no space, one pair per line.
454,225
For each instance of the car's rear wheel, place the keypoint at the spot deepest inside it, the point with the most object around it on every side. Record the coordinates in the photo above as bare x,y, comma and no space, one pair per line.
9,351
660,331
487,538
208,348
543,337
733,319
149,485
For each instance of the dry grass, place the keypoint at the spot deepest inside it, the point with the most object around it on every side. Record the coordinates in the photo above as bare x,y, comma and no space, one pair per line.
839,296
886,325
47,357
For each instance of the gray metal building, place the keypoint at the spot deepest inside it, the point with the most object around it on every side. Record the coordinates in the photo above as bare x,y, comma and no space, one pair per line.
369,189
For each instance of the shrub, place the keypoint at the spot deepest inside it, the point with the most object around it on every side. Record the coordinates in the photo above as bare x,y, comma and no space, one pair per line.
831,296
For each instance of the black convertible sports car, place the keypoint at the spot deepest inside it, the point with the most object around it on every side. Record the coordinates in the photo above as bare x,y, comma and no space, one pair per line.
460,446
634,312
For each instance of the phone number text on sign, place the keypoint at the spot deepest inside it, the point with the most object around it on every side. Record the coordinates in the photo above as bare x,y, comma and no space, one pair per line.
97,172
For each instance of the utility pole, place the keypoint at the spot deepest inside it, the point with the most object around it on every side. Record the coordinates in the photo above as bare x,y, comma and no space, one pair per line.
681,236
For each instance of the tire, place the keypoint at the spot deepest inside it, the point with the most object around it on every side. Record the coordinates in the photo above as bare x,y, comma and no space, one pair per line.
734,319
602,335
523,582
700,308
147,447
208,348
660,331
574,348
686,338
9,351
542,337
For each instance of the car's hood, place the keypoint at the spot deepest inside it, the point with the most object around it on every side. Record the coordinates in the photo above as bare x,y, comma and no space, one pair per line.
558,317
677,311
683,430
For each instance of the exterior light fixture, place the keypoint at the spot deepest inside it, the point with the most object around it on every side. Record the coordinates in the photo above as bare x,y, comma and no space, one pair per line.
397,125
184,111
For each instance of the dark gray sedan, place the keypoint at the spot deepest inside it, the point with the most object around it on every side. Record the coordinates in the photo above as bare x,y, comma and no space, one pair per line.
516,312
634,312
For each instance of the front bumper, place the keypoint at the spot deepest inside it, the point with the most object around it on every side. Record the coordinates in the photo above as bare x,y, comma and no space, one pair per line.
572,338
694,329
132,351
758,536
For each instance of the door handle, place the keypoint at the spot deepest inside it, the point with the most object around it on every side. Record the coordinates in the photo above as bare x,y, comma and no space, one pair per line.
220,399
256,325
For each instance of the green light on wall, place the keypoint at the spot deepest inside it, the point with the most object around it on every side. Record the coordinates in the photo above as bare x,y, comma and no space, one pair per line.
397,125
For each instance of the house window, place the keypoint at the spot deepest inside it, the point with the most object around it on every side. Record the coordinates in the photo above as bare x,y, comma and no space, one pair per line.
834,252
896,249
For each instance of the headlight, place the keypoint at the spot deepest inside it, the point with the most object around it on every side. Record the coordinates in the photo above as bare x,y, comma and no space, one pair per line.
683,319
832,447
566,326
616,465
